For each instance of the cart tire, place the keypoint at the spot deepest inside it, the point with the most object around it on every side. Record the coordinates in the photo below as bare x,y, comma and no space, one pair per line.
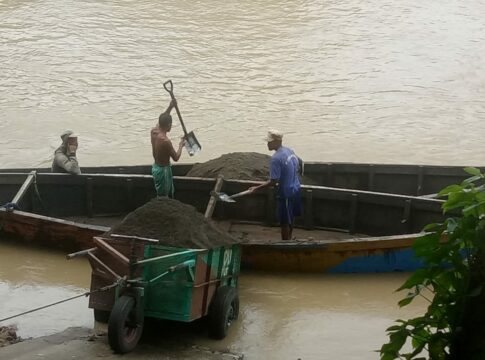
123,332
224,309
101,316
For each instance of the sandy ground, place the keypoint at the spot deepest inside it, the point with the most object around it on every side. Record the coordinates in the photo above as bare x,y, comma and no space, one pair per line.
83,343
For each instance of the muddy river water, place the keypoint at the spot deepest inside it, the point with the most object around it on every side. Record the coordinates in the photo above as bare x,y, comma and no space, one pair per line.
364,81
283,316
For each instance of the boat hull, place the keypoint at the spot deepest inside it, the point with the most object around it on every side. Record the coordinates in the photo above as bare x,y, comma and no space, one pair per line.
361,255
47,200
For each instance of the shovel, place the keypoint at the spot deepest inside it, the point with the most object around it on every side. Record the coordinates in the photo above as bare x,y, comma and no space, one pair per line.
192,144
226,198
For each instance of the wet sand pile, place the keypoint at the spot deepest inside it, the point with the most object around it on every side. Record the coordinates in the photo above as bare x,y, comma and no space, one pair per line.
237,165
8,335
174,224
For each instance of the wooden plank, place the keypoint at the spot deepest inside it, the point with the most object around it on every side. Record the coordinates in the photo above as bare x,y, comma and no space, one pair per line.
129,194
308,211
419,189
370,185
213,200
270,206
354,199
406,219
25,187
103,265
112,251
89,196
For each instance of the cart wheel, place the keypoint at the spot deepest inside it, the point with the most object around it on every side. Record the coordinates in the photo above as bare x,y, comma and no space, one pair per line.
123,331
101,316
223,310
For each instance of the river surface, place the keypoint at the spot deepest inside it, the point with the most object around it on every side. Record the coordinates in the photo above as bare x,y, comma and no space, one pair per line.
362,81
282,316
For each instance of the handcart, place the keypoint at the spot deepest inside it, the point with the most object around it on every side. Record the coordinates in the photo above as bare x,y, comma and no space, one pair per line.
133,278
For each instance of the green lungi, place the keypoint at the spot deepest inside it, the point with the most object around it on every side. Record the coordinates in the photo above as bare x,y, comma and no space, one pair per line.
163,178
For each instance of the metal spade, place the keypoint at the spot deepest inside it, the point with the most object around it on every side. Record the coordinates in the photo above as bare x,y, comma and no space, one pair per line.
192,144
229,198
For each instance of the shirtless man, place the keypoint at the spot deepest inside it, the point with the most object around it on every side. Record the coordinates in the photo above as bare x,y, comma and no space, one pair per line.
163,150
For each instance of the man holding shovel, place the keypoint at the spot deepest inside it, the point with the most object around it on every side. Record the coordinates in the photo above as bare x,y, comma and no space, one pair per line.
163,150
284,169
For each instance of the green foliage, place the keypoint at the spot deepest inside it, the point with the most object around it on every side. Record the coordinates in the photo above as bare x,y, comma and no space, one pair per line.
448,250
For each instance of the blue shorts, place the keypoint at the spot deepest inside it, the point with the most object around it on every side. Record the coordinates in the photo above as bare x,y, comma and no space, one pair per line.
288,209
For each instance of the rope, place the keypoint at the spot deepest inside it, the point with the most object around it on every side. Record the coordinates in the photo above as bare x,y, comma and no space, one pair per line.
36,189
104,288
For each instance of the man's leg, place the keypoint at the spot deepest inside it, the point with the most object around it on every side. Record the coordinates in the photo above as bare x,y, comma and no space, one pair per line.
294,209
285,232
284,218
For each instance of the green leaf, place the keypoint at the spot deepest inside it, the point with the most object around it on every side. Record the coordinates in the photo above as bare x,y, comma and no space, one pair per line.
409,297
450,189
394,328
419,277
389,351
472,171
398,339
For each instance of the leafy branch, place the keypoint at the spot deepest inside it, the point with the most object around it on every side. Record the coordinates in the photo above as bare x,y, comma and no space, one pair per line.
454,273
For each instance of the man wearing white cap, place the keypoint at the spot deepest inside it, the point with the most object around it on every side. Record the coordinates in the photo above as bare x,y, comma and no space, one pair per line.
284,169
65,160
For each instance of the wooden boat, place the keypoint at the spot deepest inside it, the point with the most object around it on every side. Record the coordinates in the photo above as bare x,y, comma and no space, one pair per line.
65,212
415,180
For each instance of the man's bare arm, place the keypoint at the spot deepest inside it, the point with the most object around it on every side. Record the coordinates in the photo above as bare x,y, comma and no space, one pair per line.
175,155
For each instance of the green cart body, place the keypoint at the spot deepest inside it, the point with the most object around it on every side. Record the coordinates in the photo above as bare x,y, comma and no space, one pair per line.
185,295
140,278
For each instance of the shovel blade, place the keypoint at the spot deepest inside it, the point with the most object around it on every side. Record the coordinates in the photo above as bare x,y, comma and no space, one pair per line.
192,144
222,196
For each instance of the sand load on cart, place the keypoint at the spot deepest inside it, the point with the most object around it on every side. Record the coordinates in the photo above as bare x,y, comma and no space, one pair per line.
173,223
239,166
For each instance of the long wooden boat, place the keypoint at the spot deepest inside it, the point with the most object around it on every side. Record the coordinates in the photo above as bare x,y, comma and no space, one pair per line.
415,180
65,211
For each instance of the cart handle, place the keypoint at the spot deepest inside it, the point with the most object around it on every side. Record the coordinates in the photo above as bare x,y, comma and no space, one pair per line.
131,237
80,253
145,261
186,264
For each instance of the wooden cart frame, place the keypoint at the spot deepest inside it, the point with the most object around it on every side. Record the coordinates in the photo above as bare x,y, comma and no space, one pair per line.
163,282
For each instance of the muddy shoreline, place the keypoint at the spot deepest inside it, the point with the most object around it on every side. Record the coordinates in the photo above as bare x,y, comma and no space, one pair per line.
84,343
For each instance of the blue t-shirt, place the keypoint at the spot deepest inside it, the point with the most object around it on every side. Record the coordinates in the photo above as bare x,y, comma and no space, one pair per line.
284,169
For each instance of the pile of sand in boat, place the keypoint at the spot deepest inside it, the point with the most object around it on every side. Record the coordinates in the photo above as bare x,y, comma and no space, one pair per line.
239,166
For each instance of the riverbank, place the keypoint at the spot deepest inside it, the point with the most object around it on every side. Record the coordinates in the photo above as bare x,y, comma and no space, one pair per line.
84,343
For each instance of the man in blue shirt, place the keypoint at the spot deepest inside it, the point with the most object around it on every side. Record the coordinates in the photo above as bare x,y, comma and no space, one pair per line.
284,169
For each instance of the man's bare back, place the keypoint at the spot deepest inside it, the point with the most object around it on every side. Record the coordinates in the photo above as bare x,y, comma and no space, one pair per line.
162,147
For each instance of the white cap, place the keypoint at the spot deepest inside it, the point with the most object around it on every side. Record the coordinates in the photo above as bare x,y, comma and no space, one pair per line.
274,135
68,134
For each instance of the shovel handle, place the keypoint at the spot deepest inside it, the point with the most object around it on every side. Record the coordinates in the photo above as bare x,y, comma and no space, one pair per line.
242,193
168,85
